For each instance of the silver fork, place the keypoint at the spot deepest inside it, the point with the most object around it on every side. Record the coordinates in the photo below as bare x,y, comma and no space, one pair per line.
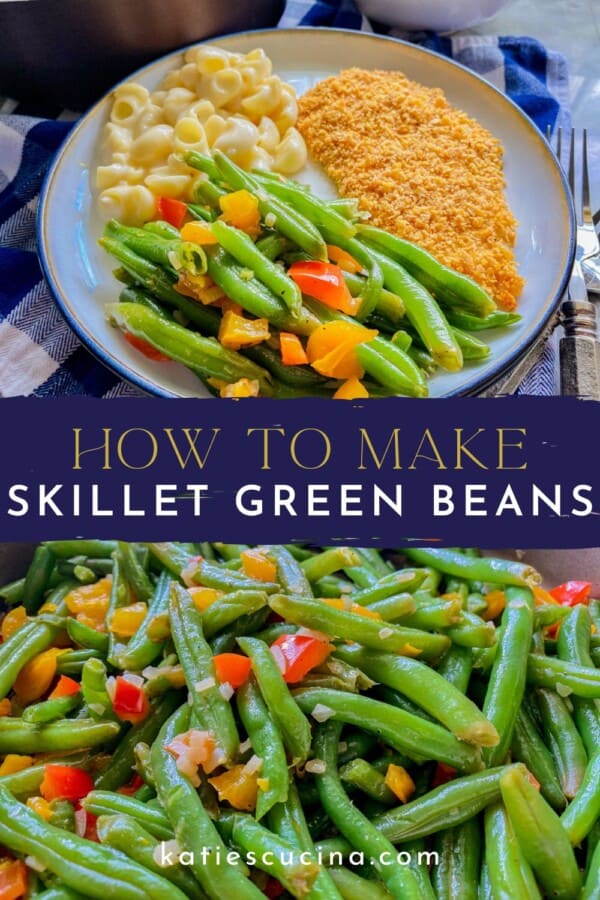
579,370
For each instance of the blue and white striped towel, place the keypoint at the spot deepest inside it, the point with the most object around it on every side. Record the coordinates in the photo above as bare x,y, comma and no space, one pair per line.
40,356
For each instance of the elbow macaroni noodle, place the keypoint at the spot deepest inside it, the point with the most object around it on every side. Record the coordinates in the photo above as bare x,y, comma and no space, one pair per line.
227,101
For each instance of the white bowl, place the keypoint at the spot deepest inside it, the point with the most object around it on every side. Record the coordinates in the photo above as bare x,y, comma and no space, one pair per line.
430,15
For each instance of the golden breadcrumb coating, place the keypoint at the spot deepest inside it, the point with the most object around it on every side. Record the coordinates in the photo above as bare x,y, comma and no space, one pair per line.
422,169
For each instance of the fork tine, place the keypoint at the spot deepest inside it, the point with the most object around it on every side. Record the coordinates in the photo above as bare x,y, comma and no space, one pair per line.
585,181
576,199
559,143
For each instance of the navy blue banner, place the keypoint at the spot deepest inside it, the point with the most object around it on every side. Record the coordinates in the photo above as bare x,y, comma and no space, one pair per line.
519,472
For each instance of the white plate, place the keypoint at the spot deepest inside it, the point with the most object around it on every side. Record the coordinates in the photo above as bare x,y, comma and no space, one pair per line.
79,272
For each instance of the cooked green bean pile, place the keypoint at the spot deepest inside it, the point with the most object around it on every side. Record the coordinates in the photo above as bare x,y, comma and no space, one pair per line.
184,720
266,265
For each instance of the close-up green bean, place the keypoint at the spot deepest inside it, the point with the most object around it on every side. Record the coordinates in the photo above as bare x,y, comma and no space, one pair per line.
203,719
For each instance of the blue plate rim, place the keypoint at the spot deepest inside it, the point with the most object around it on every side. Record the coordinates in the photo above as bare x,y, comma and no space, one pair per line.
474,386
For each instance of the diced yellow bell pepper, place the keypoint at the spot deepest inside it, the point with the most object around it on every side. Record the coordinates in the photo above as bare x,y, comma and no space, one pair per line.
245,387
14,763
159,628
229,305
97,625
238,787
126,620
40,806
256,565
240,209
343,259
5,707
12,621
542,597
37,675
204,596
399,782
198,233
356,608
90,599
236,331
409,650
496,601
48,607
352,389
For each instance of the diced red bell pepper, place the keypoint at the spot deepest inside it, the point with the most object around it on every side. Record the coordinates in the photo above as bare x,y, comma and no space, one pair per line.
171,211
325,282
65,687
442,775
129,701
134,785
301,653
65,783
232,668
572,592
273,888
144,347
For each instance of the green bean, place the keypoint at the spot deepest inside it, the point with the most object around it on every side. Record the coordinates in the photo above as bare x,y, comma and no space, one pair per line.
162,229
550,614
328,562
356,743
194,830
290,574
574,646
398,606
542,838
135,573
355,827
406,580
507,680
406,733
371,291
584,811
287,820
591,888
563,740
196,658
447,284
307,204
350,626
293,725
428,689
422,311
94,689
71,662
495,571
496,319
456,666
439,614
225,641
457,872
509,873
288,221
142,650
443,807
37,577
108,803
471,346
205,356
352,887
552,673
128,836
12,593
243,249
87,638
62,815
274,855
93,548
21,647
273,245
210,575
388,305
17,736
229,608
59,892
472,631
200,212
361,774
123,757
529,748
168,253
79,863
50,710
266,743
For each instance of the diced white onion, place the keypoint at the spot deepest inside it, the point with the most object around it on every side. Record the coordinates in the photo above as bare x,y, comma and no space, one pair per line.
317,635
253,765
32,863
245,745
315,766
132,678
226,691
204,685
385,633
321,712
279,658
164,849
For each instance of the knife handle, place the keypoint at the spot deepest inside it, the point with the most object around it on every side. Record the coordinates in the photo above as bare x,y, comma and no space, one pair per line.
579,375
